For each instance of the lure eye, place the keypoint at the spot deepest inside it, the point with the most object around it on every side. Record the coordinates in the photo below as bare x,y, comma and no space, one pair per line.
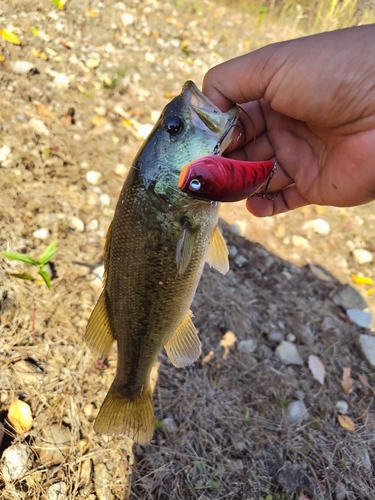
195,185
173,125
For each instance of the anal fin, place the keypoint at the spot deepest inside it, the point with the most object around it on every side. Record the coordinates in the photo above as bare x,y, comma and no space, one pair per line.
99,336
184,347
217,254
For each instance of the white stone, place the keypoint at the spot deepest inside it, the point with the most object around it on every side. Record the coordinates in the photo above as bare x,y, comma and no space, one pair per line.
296,411
93,225
41,233
39,126
368,347
275,337
16,461
362,256
121,170
291,337
359,317
93,177
127,19
319,226
342,407
57,491
170,425
76,223
61,81
5,151
105,200
287,354
149,57
21,67
247,346
98,273
144,130
300,241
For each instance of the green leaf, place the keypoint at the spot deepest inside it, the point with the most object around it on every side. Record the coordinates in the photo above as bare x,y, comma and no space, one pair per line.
45,277
21,257
157,424
48,253
23,276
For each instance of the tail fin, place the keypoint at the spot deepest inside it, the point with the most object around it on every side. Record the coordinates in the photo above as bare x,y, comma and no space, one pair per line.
133,416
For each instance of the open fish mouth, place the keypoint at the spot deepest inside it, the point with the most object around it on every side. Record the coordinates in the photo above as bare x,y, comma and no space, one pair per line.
205,114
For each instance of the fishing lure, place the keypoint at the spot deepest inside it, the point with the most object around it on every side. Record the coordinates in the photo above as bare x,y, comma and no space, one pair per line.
218,178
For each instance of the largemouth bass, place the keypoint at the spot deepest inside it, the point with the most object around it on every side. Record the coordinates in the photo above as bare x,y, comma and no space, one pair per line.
155,251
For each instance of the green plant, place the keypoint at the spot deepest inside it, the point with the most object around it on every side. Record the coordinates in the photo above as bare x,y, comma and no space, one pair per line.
46,256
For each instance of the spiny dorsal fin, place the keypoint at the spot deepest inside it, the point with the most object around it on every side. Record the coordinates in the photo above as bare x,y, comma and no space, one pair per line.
133,416
184,249
98,332
184,347
217,254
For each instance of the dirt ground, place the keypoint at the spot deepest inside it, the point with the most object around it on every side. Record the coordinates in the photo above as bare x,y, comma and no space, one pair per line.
100,74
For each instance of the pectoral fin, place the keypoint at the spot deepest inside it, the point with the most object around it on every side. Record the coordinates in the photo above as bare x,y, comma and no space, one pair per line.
184,347
217,255
98,335
184,249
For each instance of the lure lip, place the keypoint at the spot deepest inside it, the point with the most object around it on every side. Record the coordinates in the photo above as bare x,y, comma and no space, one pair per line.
223,179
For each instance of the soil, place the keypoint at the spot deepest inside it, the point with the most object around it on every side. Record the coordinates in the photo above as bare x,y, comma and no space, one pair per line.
101,73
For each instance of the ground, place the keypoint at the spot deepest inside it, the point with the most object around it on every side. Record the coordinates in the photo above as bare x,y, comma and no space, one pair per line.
100,74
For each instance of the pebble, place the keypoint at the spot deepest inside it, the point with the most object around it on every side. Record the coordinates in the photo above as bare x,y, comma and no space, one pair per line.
296,411
319,226
300,241
5,151
247,346
41,233
367,343
121,170
76,223
347,297
291,337
144,130
93,177
237,228
22,67
341,492
342,407
362,256
54,443
102,480
16,461
57,491
93,225
275,337
127,19
39,126
28,372
287,354
61,81
98,272
169,425
92,63
359,317
232,250
240,260
105,200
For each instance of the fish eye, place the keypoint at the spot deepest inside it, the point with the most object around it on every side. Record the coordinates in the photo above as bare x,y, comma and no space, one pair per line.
173,125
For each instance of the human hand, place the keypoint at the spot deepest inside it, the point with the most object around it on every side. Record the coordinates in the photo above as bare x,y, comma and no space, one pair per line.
312,108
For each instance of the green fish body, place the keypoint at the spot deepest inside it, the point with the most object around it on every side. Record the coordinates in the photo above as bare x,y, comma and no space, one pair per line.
155,251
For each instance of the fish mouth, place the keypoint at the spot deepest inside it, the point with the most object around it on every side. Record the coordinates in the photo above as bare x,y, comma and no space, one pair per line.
206,115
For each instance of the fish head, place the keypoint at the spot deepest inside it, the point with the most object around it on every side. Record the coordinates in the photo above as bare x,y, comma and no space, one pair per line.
189,127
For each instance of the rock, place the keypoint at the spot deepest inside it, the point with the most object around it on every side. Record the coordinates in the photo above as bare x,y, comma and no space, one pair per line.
367,343
92,63
240,260
105,200
121,170
341,492
61,81
22,67
102,480
296,411
41,233
359,317
300,241
127,19
275,337
4,153
93,225
233,251
98,272
362,256
363,459
53,444
342,407
347,297
238,228
39,126
16,462
287,354
169,425
57,491
93,177
76,223
144,130
247,346
319,226
28,372
291,337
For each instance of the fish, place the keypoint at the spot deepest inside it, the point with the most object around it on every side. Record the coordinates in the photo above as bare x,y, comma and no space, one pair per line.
155,251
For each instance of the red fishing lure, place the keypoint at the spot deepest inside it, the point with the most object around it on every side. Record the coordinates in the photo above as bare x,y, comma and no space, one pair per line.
222,179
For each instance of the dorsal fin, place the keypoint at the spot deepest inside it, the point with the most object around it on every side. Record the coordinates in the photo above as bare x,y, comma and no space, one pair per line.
184,347
99,336
217,254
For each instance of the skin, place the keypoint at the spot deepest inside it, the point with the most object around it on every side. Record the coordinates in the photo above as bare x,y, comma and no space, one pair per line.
312,108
